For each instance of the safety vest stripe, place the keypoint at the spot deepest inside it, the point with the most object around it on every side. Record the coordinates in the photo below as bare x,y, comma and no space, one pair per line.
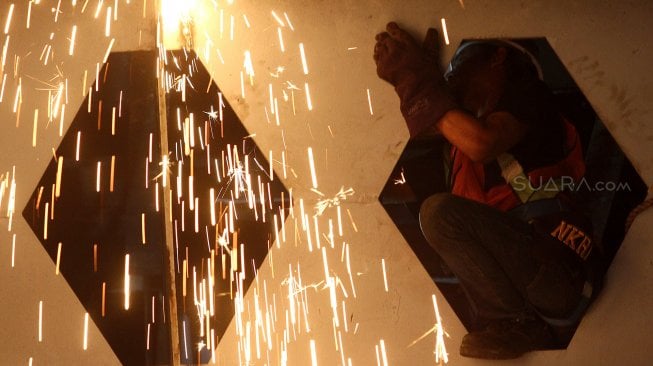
514,175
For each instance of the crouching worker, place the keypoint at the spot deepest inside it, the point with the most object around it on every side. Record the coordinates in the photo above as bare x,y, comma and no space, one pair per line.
509,230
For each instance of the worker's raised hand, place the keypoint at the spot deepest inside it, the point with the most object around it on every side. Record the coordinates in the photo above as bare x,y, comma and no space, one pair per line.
398,56
414,72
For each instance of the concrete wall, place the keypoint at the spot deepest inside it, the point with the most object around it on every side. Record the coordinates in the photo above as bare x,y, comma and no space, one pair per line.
604,45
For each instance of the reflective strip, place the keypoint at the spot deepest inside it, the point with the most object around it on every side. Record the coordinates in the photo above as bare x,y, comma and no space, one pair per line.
513,173
510,167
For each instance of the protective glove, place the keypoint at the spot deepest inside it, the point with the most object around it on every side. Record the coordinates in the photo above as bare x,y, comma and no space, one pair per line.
413,71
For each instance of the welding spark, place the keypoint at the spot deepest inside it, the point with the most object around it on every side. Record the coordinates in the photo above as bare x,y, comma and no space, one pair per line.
85,344
165,170
440,349
213,114
342,195
369,102
40,321
444,31
402,178
278,71
292,86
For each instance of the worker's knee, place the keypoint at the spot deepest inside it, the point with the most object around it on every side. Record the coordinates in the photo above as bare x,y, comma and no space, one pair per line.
438,206
437,217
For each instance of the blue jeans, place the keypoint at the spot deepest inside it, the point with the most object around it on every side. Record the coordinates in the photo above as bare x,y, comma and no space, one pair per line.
506,269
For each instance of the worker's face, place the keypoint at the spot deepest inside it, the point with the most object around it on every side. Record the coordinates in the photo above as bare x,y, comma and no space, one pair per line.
472,78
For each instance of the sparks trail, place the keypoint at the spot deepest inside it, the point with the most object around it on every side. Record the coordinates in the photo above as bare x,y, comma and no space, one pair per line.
225,192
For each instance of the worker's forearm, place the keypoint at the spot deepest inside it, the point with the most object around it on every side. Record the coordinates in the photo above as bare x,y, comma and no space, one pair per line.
469,134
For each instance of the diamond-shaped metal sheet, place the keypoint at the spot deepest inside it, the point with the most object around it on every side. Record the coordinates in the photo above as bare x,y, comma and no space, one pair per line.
110,190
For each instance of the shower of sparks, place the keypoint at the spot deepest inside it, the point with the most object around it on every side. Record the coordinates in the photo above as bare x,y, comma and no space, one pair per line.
266,319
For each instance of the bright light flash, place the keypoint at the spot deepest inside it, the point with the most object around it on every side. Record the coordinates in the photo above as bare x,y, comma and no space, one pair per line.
174,12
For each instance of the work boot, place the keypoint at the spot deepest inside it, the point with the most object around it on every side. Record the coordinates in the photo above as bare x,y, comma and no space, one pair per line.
507,339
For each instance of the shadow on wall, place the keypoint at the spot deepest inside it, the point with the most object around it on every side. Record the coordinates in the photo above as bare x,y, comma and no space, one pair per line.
613,187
